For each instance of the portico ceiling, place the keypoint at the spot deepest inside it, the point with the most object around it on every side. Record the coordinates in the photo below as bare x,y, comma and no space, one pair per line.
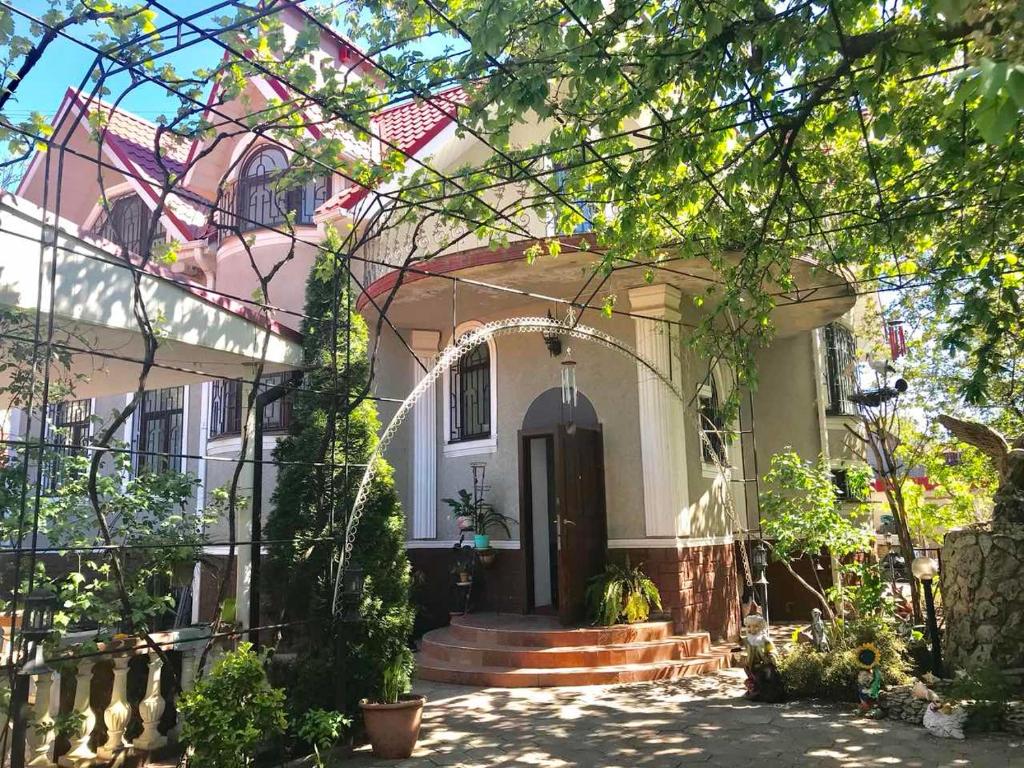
46,265
494,281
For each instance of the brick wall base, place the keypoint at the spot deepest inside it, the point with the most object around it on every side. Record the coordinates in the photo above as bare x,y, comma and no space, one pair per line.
698,585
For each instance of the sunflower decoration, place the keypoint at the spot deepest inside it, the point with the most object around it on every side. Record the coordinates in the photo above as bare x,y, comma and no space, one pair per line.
867,655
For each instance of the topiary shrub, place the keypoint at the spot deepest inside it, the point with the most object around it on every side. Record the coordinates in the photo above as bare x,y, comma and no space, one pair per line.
802,669
332,436
231,712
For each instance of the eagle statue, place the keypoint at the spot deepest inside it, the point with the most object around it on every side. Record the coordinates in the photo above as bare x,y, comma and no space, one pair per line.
1008,459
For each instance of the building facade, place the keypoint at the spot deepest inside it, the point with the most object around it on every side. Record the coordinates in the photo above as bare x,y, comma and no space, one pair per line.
629,471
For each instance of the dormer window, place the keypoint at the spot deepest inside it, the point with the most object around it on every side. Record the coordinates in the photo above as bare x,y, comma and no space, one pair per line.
261,203
128,222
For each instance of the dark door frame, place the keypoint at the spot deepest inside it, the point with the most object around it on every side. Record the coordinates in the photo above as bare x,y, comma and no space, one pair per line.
526,513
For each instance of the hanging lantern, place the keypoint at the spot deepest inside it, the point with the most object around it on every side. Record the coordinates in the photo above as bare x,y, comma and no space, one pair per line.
353,585
551,339
37,620
759,557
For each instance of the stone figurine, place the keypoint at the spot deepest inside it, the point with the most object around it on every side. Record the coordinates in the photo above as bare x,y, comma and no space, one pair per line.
764,683
818,638
1009,461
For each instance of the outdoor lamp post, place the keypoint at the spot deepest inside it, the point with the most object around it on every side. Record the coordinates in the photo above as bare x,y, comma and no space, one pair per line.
36,626
924,569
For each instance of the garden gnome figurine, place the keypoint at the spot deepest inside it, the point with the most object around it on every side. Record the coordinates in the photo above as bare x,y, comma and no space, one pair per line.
764,683
818,631
869,680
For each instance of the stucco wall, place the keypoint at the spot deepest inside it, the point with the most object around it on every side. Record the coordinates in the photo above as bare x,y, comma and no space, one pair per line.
785,401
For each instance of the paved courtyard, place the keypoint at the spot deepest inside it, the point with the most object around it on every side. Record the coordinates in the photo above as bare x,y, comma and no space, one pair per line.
696,721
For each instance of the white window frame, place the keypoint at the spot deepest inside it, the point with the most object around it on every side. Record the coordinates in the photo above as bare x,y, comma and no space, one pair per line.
484,444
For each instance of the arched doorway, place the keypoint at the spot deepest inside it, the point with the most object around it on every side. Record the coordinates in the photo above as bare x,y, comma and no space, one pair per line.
563,522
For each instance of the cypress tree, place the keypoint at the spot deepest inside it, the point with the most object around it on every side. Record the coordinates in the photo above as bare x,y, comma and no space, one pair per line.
314,494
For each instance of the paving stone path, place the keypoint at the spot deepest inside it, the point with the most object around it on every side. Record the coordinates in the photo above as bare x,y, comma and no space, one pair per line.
701,721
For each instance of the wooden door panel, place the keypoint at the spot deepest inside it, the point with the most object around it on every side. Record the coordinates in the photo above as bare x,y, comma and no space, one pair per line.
583,537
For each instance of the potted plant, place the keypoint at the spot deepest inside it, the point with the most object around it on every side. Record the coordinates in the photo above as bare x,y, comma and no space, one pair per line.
486,557
621,594
463,509
485,518
393,718
463,573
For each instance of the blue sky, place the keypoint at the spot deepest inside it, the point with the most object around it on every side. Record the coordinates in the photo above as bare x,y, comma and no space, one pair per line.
66,63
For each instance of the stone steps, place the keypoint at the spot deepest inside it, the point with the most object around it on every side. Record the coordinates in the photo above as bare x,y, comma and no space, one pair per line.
519,652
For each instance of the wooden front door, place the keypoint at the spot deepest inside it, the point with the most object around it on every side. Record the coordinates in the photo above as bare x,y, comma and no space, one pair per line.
582,527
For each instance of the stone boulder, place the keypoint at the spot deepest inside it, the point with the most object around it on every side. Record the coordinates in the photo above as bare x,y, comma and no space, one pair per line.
983,595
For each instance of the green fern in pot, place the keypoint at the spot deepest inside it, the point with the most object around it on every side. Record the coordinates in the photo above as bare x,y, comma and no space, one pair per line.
622,594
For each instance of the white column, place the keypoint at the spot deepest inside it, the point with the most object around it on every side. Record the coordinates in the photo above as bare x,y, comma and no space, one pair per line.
151,708
424,345
80,752
41,734
116,715
243,505
662,415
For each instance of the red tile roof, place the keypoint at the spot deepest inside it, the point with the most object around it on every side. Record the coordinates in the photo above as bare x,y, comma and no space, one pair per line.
410,126
133,141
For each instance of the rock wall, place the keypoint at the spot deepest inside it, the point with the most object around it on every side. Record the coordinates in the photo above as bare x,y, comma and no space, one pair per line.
983,596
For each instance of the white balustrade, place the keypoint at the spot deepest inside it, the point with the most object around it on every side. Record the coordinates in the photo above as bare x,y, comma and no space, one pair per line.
118,711
85,749
41,734
151,708
81,753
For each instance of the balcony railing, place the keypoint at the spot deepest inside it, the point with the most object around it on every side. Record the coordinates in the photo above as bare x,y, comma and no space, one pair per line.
257,202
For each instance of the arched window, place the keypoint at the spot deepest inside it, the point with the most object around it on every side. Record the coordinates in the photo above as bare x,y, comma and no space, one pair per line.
260,202
714,435
127,221
470,395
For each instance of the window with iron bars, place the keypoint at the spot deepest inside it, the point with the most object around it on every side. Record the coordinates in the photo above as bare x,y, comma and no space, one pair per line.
226,406
840,369
128,223
470,393
584,207
255,200
712,425
68,427
159,428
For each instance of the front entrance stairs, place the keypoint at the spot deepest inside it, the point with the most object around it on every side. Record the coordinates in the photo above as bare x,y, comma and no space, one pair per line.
510,651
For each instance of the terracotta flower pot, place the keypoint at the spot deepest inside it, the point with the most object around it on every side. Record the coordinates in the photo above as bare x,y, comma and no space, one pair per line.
393,728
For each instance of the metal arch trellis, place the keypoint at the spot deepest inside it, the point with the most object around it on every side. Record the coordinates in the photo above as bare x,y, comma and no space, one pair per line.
452,353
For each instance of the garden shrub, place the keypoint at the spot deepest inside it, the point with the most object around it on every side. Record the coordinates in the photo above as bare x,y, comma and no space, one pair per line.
833,675
333,426
985,692
231,712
